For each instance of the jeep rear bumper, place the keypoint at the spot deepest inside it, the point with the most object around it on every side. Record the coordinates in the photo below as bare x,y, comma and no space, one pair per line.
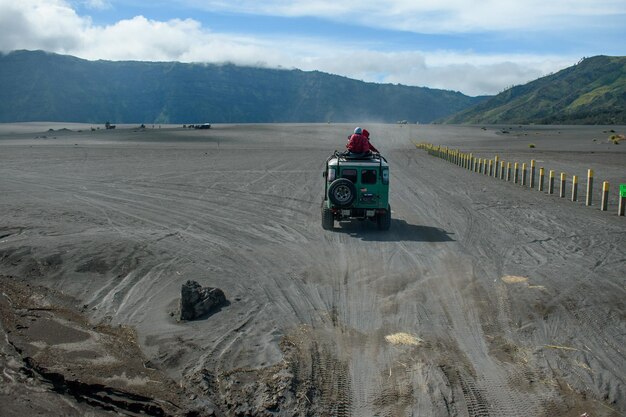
357,213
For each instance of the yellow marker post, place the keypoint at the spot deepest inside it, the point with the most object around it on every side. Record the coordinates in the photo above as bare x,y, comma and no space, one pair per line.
515,173
575,188
589,199
495,168
605,196
551,183
508,171
542,175
501,170
524,173
490,167
562,188
532,173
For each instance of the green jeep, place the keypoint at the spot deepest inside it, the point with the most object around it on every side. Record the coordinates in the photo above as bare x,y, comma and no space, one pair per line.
356,187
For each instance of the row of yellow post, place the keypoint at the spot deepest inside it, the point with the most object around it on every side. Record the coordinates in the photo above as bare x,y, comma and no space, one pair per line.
497,168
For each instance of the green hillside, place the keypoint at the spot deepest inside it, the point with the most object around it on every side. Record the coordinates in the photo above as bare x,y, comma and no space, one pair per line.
591,92
44,86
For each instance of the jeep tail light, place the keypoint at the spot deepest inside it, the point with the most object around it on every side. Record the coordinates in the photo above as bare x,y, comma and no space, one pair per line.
331,174
385,176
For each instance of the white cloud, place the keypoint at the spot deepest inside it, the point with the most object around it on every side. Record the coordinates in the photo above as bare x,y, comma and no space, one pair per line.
36,24
97,4
141,39
469,73
53,25
431,16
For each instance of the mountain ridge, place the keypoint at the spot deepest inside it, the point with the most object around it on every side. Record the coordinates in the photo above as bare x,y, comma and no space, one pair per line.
38,85
591,92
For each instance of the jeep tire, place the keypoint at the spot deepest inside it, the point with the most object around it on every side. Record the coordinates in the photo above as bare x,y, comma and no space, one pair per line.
383,220
342,192
328,218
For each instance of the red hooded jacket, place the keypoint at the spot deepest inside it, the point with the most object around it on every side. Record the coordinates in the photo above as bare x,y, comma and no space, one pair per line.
367,136
357,144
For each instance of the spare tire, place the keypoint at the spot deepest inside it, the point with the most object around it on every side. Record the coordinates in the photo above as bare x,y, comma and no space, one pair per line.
342,192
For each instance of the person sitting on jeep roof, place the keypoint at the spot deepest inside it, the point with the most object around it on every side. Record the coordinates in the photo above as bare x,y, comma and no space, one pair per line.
357,143
367,136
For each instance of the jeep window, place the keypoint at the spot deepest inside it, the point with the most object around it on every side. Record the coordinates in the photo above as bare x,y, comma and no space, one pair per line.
368,176
349,174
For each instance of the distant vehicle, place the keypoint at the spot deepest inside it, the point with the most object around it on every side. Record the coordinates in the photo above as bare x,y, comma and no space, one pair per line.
203,126
356,188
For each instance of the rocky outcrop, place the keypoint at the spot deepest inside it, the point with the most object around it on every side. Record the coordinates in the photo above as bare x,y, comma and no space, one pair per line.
197,301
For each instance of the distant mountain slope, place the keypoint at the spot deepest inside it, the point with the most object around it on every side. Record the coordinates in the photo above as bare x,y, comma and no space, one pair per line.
591,92
44,86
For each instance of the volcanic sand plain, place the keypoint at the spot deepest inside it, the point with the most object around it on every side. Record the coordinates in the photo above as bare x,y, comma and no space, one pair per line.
485,298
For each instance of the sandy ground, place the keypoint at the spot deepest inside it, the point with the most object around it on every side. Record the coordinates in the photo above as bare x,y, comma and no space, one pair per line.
483,299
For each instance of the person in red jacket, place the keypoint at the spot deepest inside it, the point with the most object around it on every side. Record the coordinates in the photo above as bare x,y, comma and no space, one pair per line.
367,136
357,143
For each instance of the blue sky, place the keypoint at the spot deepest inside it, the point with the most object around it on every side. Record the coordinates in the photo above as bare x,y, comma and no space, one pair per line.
476,47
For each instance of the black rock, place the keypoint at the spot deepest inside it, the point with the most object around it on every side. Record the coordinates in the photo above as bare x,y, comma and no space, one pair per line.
197,301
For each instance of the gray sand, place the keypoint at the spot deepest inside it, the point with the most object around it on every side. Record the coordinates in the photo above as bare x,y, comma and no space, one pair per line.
483,299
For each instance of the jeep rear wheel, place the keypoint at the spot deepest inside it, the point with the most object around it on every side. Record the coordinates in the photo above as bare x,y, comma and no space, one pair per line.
328,219
342,192
383,220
